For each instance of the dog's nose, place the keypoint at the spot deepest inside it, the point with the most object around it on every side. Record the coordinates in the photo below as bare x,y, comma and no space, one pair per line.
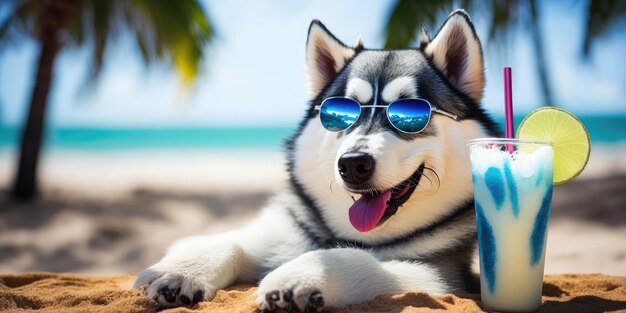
355,167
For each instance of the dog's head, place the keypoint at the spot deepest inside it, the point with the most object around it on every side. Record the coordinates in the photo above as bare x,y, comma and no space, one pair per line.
372,181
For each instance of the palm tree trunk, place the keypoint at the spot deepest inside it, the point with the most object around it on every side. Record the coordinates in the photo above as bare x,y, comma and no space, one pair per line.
54,18
25,186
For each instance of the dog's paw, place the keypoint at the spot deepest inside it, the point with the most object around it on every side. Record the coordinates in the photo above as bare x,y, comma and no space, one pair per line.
300,301
174,288
297,286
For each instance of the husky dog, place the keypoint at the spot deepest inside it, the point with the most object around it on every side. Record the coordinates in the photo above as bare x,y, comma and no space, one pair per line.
303,249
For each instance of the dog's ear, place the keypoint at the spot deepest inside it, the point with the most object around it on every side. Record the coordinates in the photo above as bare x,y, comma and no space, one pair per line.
325,57
456,51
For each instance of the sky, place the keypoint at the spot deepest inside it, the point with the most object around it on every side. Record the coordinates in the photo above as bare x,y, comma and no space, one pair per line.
255,74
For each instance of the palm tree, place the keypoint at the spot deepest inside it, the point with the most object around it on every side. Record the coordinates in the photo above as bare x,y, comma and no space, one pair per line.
175,32
407,16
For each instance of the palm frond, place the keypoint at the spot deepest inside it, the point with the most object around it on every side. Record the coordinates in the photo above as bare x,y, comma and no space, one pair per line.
503,17
541,64
104,19
602,16
177,32
408,16
20,22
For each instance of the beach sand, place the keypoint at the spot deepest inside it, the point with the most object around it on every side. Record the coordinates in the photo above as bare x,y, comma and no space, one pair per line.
70,293
116,213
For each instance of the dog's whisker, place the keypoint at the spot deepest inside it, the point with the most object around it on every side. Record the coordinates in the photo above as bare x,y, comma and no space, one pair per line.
434,181
331,181
436,175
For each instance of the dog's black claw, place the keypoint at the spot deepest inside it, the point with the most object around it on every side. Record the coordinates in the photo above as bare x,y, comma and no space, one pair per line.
198,296
169,294
316,299
271,298
316,302
185,300
288,297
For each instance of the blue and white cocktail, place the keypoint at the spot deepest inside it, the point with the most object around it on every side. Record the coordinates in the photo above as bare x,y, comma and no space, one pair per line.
513,195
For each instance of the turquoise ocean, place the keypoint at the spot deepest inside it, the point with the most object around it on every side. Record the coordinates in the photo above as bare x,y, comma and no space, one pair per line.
602,129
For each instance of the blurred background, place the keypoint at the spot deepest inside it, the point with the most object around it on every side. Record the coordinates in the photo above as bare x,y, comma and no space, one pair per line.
125,125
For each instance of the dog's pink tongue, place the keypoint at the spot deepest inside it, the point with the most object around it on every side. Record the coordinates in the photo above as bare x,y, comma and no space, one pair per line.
366,212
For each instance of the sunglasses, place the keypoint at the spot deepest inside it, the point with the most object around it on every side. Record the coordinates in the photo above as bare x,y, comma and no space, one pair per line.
406,115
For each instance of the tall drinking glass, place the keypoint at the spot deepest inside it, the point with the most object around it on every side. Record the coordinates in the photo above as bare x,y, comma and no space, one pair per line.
513,196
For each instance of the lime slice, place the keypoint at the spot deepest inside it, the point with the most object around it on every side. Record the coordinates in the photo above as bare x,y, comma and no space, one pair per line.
568,135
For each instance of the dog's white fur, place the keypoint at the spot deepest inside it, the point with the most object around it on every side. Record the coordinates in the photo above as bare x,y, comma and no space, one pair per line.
273,243
359,90
399,86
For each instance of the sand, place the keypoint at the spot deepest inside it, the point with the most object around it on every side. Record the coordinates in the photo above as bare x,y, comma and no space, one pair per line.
48,292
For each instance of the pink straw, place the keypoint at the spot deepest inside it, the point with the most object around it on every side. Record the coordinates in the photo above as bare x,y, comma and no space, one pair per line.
508,104
508,107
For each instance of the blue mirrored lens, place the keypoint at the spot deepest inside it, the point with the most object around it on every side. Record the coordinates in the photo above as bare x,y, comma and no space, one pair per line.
409,115
337,114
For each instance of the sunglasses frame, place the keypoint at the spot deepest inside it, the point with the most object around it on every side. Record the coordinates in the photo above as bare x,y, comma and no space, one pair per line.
433,108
